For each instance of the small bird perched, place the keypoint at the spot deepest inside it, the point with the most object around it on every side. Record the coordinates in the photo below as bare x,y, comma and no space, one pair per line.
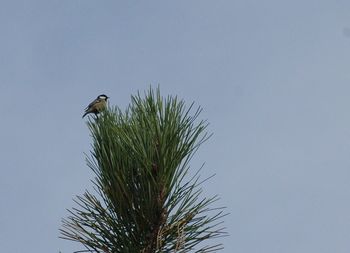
97,105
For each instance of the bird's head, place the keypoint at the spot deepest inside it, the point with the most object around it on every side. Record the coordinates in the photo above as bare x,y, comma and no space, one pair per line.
103,97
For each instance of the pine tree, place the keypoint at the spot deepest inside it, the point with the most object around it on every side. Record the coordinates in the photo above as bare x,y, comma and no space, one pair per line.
145,200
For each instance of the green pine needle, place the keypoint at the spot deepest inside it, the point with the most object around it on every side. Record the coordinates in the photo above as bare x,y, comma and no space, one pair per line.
145,201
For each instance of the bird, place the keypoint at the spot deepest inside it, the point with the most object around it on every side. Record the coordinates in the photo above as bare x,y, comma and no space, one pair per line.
96,106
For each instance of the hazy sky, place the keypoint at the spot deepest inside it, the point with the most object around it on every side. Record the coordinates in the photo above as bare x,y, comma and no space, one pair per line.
272,76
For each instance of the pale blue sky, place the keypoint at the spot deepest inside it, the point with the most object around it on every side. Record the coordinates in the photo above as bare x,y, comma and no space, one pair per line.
272,76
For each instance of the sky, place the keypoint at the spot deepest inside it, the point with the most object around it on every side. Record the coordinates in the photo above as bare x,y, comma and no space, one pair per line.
273,80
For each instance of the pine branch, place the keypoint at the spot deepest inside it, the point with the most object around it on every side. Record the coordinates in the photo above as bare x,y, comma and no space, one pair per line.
144,202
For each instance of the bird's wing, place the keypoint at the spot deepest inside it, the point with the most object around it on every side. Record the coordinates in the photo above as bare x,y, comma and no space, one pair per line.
92,103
